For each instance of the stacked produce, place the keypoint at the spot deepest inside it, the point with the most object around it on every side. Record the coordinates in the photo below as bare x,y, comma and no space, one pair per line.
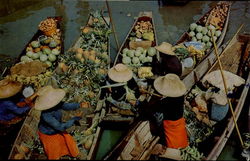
138,57
203,34
81,72
143,30
218,15
32,73
46,48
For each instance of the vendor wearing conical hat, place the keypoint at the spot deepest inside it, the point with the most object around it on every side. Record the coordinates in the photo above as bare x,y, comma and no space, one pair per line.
169,62
123,75
12,104
52,131
171,105
120,73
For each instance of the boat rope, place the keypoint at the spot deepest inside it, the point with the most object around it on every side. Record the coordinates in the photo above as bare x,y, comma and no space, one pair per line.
225,86
113,27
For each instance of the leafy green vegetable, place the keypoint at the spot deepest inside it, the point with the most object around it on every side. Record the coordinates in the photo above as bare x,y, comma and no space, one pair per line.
43,57
126,60
193,26
198,28
151,51
181,53
35,44
199,36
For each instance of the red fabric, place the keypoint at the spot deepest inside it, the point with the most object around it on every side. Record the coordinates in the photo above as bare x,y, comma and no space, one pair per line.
58,145
175,133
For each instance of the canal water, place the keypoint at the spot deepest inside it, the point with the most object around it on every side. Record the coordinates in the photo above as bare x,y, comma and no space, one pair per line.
19,21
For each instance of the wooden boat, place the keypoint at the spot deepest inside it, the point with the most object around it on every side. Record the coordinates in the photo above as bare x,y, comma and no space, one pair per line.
190,79
37,35
27,137
135,146
143,16
12,127
206,21
132,42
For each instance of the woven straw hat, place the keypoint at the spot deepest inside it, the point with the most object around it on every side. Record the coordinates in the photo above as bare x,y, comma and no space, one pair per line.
48,97
9,88
215,79
170,85
120,73
165,48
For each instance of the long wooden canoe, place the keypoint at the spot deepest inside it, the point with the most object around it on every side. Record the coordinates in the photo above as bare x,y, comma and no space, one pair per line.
243,69
204,21
28,138
117,117
127,148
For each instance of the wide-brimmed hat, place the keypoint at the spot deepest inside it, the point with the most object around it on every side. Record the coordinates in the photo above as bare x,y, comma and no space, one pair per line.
215,78
48,97
120,73
165,48
9,88
170,85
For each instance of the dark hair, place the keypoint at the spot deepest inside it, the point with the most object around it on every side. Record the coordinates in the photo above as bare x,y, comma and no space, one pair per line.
168,64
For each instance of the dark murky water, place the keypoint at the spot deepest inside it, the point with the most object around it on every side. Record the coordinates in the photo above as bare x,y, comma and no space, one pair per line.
19,19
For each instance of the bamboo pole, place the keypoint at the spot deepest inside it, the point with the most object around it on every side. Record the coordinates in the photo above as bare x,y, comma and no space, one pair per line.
145,91
113,26
227,46
225,87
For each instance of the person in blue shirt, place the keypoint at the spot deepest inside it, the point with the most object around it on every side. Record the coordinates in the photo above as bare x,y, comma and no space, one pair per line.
9,110
13,105
51,119
52,130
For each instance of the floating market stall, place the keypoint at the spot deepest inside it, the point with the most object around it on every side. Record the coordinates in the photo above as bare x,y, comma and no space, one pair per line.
203,127
76,75
34,66
137,52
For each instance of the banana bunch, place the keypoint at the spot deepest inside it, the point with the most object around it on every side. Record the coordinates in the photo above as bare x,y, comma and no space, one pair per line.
198,53
189,153
38,80
145,72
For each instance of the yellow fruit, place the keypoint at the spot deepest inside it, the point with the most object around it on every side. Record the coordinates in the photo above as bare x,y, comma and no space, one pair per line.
86,54
92,57
79,51
19,156
78,56
88,143
24,148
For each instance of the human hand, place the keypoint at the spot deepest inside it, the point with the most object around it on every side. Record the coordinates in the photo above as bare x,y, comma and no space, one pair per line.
79,114
85,105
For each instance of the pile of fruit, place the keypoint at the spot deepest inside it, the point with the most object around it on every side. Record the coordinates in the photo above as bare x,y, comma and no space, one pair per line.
45,48
218,15
143,30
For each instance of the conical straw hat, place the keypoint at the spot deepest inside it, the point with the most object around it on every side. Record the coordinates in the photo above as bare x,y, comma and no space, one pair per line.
170,85
48,97
165,48
9,88
215,79
120,73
